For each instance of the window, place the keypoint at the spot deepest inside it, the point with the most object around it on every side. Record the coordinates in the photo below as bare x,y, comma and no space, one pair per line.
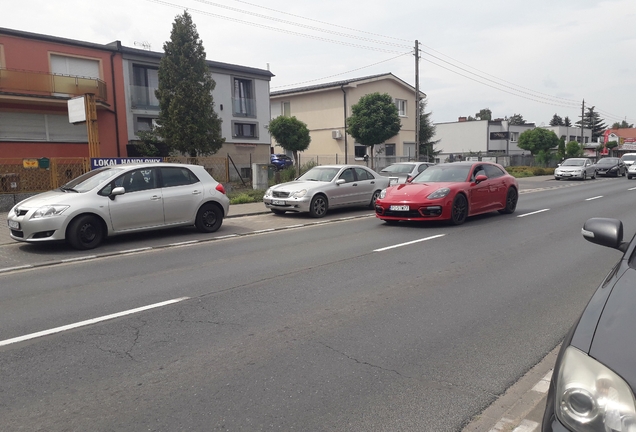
363,174
75,66
138,180
17,126
245,130
145,82
285,109
360,151
389,149
243,103
514,136
144,124
401,106
348,175
2,61
493,171
177,177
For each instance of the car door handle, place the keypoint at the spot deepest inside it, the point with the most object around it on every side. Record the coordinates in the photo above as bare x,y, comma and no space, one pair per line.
155,198
355,184
196,192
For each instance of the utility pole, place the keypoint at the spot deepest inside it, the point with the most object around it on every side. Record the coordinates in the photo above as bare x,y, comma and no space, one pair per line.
417,101
582,122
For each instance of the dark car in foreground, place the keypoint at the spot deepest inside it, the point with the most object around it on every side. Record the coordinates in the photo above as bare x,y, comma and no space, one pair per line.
450,191
610,167
280,161
592,386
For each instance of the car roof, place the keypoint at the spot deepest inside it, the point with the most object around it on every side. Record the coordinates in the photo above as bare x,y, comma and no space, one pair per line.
151,164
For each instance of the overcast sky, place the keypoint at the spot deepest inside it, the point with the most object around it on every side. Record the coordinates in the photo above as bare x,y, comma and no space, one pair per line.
532,58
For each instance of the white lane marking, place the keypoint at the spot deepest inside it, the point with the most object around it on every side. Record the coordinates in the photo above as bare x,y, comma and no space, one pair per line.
526,426
68,260
263,230
532,213
88,322
226,236
8,269
634,188
501,425
184,243
408,243
135,250
593,198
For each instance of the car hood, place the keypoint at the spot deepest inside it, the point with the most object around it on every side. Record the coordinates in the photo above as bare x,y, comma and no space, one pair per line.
415,190
299,185
614,341
56,196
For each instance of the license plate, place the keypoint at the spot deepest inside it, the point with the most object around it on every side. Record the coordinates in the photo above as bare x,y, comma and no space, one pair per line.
14,225
278,202
399,208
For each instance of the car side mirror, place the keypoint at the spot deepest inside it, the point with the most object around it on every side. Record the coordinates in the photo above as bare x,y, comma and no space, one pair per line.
605,232
558,165
340,181
117,191
480,178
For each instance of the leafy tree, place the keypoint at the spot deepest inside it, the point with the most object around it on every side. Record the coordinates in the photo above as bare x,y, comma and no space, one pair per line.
484,114
291,134
187,120
427,132
592,120
538,140
573,149
374,120
561,149
611,145
622,125
556,121
567,122
516,119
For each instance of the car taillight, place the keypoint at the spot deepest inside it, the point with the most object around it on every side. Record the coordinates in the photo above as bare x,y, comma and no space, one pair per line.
220,188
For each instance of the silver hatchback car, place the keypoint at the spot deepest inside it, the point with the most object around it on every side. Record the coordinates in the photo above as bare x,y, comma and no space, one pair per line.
121,199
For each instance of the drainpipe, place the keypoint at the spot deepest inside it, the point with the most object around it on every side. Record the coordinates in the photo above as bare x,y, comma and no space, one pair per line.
344,93
112,72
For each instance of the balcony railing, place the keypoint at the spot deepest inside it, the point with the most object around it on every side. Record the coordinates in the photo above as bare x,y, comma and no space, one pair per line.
42,83
243,107
143,97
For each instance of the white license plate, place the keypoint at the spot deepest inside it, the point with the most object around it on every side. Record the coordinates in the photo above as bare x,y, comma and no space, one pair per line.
14,225
278,202
399,208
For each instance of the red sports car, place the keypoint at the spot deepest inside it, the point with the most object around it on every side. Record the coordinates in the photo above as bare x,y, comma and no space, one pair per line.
451,191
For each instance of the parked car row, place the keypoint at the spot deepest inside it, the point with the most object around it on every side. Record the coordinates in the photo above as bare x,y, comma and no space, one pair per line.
401,192
584,168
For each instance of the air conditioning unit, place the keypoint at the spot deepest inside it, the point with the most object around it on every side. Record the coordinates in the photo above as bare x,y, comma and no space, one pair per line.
336,134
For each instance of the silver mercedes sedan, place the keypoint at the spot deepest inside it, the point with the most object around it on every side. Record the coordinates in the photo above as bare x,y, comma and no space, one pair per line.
326,187
121,199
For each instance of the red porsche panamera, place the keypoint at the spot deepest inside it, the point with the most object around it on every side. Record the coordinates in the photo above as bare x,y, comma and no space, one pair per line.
451,191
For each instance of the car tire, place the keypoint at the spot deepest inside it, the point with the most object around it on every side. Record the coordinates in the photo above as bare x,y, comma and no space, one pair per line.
511,201
557,178
593,176
209,218
278,212
85,232
375,196
584,176
459,210
629,177
318,206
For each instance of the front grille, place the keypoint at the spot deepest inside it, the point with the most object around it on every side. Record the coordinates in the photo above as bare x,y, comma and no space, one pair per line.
280,194
407,214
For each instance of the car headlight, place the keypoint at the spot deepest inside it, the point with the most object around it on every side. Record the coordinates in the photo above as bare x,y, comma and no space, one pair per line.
268,192
299,194
382,194
592,398
439,193
49,211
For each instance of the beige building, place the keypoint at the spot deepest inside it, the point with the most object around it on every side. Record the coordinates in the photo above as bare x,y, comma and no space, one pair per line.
325,108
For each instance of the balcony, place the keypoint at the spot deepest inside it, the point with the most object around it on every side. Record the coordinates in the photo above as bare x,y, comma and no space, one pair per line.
243,107
143,98
47,84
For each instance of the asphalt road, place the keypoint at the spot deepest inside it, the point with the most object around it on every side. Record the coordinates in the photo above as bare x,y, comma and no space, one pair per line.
347,324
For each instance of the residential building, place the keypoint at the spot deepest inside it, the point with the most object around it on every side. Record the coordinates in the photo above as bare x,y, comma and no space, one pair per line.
326,107
38,75
241,99
490,138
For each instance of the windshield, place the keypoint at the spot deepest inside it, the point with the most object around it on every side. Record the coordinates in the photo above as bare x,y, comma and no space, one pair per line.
398,169
319,174
443,173
573,162
629,157
91,179
608,161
